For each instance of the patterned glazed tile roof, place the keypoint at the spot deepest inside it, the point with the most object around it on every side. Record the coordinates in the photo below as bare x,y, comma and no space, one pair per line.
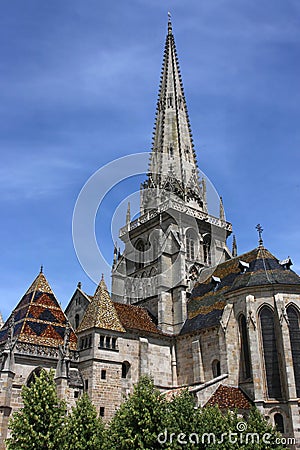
135,318
202,321
229,397
264,269
101,312
38,318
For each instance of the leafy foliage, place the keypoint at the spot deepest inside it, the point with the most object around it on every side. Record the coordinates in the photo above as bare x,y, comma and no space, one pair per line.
38,424
139,420
181,418
84,429
146,421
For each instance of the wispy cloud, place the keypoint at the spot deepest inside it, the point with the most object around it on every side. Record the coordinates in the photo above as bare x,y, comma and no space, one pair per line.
35,177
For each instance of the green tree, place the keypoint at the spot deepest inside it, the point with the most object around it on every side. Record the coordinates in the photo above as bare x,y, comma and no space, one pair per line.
37,426
180,422
84,430
256,423
226,430
139,420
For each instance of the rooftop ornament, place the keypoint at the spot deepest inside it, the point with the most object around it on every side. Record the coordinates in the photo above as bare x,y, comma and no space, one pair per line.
260,230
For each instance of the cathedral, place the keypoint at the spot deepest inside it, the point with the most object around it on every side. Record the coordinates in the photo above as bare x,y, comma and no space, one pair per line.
183,308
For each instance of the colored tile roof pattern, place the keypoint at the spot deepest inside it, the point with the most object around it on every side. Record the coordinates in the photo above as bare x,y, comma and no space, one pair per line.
135,318
38,318
264,269
202,321
229,397
208,300
101,312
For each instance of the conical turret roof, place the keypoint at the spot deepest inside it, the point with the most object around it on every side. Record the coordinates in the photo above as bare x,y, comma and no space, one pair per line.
38,318
101,312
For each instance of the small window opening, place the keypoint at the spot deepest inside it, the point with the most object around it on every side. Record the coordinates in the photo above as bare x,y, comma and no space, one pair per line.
86,385
279,424
216,368
103,374
76,320
102,411
125,369
101,341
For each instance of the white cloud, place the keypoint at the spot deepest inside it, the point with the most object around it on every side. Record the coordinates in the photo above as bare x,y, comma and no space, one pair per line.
34,177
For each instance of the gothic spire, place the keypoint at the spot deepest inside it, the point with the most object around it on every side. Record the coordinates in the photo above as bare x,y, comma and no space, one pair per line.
234,246
173,159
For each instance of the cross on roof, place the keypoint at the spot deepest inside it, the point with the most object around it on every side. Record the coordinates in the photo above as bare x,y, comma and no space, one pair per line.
260,230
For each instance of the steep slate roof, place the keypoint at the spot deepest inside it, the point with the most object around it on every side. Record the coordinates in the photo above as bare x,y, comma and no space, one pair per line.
229,397
135,318
207,302
101,312
39,318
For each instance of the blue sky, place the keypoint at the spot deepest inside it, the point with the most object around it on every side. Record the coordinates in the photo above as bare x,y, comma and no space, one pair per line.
79,82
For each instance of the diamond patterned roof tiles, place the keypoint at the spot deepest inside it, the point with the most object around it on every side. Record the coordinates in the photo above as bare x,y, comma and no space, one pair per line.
38,317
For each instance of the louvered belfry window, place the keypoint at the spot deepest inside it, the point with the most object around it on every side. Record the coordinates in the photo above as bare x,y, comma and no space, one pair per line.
293,317
270,353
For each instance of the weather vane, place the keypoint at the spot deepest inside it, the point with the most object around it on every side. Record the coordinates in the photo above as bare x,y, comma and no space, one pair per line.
260,230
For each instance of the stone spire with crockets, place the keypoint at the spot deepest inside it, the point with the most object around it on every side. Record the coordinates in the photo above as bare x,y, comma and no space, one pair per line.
173,165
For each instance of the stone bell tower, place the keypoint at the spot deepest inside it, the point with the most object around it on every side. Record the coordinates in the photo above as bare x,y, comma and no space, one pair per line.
174,235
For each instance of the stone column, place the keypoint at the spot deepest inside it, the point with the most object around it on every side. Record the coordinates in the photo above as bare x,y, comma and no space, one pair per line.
174,366
6,381
255,349
197,362
144,362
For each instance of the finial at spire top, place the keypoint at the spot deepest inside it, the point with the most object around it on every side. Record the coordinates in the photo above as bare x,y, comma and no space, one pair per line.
169,23
260,230
102,277
42,268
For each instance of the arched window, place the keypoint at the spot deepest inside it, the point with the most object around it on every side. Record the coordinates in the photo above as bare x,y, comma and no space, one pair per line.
216,368
278,421
76,320
35,373
190,248
191,245
270,353
125,369
245,349
293,317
